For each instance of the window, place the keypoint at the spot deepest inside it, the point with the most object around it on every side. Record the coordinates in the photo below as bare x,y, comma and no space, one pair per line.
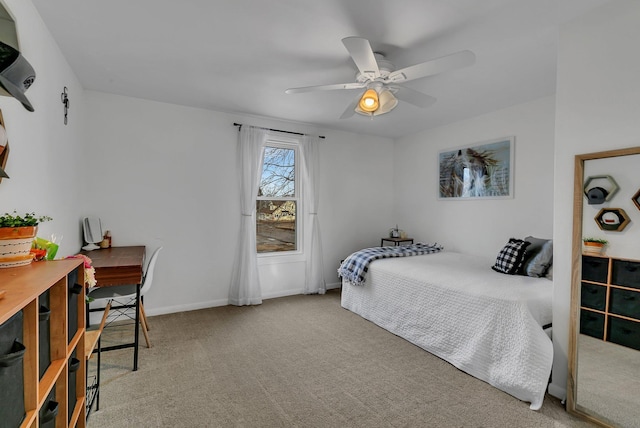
278,200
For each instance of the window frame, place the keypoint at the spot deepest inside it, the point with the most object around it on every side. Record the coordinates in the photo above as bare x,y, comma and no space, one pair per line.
298,253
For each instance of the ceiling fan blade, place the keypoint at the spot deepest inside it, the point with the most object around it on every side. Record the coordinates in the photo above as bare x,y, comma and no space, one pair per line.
434,66
362,54
412,96
351,108
353,85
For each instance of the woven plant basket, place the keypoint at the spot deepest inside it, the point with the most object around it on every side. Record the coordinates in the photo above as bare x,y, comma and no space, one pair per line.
593,248
15,245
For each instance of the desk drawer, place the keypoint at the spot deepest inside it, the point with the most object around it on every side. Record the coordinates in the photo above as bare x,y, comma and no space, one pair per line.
595,269
625,273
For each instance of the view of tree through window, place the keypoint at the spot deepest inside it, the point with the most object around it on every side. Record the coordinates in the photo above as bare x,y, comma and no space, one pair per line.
277,201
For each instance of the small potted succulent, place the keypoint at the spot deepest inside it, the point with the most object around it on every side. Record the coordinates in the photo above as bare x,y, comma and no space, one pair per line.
594,245
16,235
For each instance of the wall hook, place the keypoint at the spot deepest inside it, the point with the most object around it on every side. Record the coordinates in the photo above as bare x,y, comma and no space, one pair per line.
65,100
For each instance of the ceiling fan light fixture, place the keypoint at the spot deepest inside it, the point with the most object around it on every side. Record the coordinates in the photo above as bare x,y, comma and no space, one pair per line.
369,101
387,102
377,75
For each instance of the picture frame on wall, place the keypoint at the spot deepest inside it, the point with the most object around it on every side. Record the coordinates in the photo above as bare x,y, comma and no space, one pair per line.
4,148
481,170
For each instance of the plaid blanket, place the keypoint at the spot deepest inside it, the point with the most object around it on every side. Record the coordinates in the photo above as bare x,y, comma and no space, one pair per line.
355,267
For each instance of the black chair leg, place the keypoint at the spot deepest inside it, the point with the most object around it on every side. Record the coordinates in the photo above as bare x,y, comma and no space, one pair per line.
98,375
87,309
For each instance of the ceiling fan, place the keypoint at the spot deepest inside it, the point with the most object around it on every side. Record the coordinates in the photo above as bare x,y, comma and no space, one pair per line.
383,83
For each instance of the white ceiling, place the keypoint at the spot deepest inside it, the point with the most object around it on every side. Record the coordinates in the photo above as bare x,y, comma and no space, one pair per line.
241,55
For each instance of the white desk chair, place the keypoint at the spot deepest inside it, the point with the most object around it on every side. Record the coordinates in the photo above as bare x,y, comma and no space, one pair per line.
118,292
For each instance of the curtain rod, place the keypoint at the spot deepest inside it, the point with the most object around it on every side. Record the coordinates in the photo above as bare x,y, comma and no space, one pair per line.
239,125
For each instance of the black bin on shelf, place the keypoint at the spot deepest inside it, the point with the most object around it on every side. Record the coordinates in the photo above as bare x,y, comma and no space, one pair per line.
625,273
44,334
592,324
12,372
49,410
593,296
595,269
625,302
72,294
74,365
624,332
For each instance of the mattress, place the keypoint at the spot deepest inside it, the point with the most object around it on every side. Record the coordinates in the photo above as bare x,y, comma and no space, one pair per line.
456,307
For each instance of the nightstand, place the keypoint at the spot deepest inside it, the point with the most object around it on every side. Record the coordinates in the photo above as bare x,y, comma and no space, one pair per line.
397,241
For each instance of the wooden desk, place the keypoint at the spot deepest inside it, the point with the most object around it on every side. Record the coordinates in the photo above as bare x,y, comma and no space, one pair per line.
120,266
117,265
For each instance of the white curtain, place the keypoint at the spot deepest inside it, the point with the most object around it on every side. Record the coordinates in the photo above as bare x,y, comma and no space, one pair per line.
245,282
314,272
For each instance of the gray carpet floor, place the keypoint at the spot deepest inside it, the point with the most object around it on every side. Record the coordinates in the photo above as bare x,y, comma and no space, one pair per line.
608,382
299,361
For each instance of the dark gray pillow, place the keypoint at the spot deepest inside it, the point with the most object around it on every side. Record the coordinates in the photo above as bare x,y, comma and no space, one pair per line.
538,265
532,250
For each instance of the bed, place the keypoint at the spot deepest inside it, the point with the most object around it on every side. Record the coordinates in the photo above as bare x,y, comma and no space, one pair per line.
487,324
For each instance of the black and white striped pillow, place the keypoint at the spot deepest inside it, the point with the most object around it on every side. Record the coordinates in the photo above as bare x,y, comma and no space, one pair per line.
510,258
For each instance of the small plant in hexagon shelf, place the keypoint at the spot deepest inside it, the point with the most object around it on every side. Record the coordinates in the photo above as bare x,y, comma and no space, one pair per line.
16,236
594,245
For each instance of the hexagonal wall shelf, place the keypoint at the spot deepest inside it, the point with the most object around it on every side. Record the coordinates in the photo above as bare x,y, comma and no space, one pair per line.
612,219
611,189
636,199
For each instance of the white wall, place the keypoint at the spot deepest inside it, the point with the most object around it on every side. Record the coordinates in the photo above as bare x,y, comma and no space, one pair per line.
480,227
598,100
45,155
162,174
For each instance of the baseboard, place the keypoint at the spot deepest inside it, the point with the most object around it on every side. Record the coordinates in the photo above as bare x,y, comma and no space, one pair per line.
283,293
333,285
223,302
185,308
557,391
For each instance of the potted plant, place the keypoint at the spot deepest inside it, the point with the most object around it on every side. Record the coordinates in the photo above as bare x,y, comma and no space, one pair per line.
594,245
16,235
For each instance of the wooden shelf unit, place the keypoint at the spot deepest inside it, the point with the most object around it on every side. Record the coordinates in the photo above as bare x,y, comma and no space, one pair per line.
610,300
23,286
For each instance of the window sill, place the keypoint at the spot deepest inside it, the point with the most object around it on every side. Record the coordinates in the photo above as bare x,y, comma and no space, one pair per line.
275,258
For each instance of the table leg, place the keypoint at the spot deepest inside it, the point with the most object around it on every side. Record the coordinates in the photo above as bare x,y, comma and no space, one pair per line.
137,328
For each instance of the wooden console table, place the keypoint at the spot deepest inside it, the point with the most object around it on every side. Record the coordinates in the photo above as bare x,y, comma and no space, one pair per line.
120,266
29,385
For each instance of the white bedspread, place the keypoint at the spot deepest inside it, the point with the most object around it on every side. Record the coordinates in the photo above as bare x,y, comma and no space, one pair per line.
455,306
